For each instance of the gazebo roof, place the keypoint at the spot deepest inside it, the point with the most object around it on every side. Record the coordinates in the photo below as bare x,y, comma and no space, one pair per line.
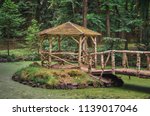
69,29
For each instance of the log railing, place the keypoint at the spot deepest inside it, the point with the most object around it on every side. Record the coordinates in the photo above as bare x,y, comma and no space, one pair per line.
46,57
111,54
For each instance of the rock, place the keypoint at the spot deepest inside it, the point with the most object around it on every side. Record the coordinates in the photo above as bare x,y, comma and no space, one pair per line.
75,85
62,86
81,86
25,82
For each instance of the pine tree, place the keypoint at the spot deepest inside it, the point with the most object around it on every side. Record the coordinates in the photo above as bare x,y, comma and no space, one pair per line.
32,39
10,22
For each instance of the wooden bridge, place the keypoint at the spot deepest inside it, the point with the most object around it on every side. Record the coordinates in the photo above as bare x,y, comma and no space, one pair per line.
141,68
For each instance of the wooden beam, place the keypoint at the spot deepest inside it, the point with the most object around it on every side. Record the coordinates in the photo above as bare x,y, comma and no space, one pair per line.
125,60
84,50
134,52
69,53
125,51
148,62
75,40
138,62
113,61
102,61
83,39
63,60
93,39
95,51
80,50
108,56
89,63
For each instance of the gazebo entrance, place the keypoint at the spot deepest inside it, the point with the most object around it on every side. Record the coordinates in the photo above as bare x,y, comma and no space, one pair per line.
79,35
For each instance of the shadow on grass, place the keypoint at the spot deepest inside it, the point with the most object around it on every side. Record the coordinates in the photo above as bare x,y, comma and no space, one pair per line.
137,88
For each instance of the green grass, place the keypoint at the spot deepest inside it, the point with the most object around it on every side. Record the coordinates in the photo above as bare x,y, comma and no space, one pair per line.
17,52
54,77
134,88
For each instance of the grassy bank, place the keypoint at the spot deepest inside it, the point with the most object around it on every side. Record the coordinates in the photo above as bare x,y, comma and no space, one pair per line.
36,76
133,88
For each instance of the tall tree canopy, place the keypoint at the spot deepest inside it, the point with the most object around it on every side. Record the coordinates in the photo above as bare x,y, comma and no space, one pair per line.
124,19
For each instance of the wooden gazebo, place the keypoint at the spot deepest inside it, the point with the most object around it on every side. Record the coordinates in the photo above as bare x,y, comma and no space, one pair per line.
72,31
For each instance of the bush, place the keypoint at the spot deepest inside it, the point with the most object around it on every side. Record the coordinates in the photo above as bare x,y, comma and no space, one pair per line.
6,58
111,43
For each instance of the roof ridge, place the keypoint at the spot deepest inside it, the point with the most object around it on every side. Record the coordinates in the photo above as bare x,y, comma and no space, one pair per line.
87,29
76,27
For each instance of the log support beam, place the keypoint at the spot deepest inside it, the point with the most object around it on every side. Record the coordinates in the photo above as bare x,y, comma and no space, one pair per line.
95,50
148,61
113,61
102,61
80,50
124,60
138,62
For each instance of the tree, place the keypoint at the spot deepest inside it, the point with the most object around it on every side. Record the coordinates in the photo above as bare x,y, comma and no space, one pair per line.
10,22
32,39
107,19
144,13
85,10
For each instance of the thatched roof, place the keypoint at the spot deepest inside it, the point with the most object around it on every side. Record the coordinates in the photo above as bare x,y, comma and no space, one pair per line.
69,29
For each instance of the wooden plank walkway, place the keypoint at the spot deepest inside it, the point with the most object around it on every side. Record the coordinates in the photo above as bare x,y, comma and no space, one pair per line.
130,72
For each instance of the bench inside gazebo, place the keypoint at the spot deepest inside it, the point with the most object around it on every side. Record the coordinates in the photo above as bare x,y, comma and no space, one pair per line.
70,31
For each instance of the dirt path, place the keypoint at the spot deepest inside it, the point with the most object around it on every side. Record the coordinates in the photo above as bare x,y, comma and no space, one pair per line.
12,89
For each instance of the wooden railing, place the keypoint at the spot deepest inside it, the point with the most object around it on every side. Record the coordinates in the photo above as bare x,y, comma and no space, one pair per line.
111,56
46,57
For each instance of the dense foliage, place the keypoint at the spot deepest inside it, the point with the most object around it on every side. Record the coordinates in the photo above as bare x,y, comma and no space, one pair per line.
10,21
32,38
124,19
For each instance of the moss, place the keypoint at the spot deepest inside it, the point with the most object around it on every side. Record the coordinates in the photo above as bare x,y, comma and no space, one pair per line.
55,77
75,73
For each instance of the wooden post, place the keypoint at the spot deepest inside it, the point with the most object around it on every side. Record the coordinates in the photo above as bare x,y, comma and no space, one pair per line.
89,63
95,51
84,49
138,63
80,49
50,50
124,60
102,61
113,60
148,62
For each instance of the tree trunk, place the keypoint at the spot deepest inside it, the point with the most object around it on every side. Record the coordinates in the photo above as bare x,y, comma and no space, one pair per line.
126,44
42,6
85,10
144,12
8,48
125,37
107,19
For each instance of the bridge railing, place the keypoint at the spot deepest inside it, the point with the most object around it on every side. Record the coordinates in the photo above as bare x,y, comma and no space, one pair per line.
110,56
